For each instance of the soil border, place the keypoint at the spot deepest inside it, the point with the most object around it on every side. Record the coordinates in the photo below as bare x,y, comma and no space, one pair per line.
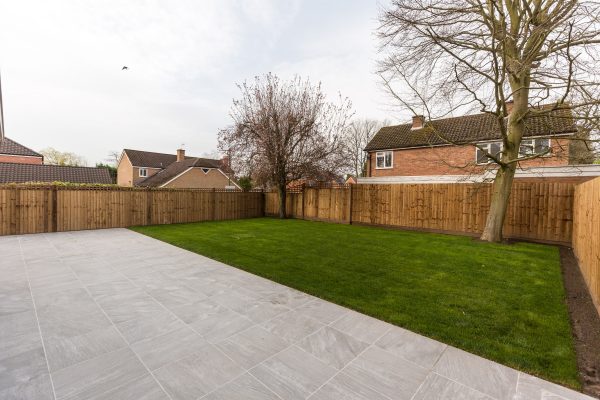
585,322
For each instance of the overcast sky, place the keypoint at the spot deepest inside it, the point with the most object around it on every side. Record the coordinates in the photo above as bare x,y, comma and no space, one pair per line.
63,85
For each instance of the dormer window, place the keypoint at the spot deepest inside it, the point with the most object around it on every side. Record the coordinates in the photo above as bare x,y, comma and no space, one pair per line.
143,172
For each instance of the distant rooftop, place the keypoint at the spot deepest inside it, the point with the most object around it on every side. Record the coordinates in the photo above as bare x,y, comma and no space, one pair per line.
9,146
150,159
177,168
22,173
467,129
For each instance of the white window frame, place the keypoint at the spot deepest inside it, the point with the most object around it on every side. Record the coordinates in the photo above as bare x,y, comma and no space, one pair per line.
534,145
486,146
382,154
144,174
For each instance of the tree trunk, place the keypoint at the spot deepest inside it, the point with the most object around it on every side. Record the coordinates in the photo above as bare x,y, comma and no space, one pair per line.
506,172
282,201
500,196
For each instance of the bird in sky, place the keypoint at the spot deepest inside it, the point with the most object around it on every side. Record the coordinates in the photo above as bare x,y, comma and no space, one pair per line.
124,68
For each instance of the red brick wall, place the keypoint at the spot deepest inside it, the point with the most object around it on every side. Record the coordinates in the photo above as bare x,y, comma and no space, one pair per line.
455,160
20,159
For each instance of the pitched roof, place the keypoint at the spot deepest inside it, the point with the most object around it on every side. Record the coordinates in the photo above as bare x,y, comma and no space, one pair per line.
149,159
466,129
21,173
177,168
9,146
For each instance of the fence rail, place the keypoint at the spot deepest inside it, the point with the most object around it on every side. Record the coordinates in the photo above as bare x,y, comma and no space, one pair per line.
36,209
538,211
586,235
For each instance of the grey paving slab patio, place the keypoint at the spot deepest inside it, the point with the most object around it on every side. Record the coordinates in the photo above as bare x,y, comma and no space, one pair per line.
112,314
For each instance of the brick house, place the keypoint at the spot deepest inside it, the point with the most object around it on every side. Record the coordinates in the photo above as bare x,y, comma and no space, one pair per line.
144,168
422,148
15,153
20,164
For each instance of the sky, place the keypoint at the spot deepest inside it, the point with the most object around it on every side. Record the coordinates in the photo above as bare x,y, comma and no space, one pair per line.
64,87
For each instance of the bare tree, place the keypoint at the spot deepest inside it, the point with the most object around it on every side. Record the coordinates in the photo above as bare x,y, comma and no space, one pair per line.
442,56
55,157
284,131
584,148
113,158
212,154
356,137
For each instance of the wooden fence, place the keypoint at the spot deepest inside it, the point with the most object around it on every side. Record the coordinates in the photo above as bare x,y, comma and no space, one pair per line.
36,209
537,211
586,235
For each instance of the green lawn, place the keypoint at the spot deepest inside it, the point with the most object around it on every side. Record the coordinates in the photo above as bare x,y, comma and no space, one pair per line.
503,302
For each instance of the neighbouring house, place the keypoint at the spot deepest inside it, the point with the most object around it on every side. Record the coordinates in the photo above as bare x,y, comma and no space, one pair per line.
148,169
37,173
20,164
442,149
15,153
350,180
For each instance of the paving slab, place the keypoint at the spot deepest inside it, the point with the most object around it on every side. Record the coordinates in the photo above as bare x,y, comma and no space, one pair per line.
112,314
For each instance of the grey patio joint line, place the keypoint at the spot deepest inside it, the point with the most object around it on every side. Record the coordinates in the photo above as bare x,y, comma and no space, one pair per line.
37,321
247,371
517,385
349,362
294,344
112,323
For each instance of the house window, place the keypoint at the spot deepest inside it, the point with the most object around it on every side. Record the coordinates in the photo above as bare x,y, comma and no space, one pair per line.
531,147
205,170
143,172
384,159
493,148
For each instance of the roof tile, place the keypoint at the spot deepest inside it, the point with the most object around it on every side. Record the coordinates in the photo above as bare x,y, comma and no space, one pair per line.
149,159
9,146
466,129
22,173
177,168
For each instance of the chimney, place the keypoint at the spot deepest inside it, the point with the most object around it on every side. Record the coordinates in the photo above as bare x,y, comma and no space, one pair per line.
509,106
225,163
418,122
180,154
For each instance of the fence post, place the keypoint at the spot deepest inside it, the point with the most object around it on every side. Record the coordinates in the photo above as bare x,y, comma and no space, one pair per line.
303,196
12,210
54,208
214,204
148,206
350,204
317,201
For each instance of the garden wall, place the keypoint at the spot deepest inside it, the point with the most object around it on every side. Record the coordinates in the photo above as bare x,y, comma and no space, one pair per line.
56,208
537,211
586,235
